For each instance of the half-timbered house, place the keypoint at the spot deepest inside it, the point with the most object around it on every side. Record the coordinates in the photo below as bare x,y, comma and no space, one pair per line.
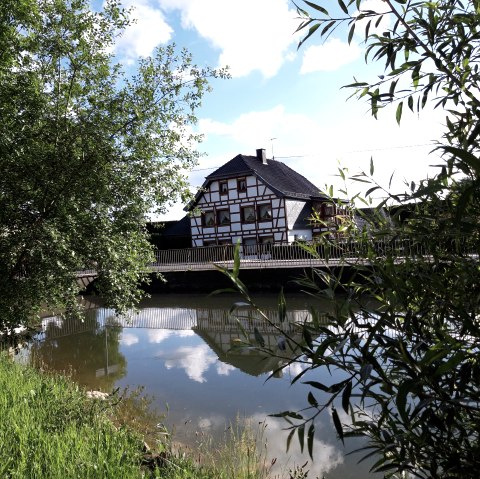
258,201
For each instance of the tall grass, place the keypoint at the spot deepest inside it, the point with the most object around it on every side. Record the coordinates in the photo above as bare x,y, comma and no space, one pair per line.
49,430
242,454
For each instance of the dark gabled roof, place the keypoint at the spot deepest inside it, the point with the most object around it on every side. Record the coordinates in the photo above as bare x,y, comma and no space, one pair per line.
279,177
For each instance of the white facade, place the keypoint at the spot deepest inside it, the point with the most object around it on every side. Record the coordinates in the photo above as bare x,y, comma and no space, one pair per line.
242,209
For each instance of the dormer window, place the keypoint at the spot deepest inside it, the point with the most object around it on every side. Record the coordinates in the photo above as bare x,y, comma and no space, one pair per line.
265,212
241,185
223,186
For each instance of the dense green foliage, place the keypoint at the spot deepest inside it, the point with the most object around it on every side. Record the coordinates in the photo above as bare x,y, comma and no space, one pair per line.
86,151
409,369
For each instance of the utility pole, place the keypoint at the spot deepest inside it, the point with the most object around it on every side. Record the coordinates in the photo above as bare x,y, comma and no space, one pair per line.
271,141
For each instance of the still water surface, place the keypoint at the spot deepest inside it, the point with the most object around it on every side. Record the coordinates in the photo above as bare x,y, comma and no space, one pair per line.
179,349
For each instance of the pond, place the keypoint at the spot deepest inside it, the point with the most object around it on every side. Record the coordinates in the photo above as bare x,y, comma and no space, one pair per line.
179,349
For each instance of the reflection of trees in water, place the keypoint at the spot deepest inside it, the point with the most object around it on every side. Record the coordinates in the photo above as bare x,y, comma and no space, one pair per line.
90,348
91,356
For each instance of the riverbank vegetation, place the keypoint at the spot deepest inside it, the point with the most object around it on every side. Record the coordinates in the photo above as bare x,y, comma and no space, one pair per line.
50,429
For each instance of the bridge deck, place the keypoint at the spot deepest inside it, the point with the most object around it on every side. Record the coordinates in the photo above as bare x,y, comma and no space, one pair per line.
267,256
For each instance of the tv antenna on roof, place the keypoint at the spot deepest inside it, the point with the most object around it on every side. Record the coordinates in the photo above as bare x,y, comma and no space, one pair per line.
271,140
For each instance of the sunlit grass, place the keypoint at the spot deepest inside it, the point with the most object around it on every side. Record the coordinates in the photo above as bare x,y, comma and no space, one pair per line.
241,454
49,429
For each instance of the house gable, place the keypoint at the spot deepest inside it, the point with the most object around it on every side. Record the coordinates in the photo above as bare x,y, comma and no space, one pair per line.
253,199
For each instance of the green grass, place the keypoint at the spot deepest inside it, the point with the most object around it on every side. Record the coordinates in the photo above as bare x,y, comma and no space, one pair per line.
241,455
50,430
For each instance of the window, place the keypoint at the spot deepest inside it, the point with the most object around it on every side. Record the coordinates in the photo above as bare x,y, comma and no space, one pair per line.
328,210
248,214
223,185
223,217
241,185
266,239
208,219
209,243
265,212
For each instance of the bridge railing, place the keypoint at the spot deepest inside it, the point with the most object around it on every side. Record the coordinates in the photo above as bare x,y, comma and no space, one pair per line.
290,255
259,256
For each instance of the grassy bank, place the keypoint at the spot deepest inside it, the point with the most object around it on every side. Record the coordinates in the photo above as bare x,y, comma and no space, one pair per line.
49,429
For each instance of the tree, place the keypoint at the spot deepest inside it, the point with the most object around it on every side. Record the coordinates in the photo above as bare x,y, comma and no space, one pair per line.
86,151
409,370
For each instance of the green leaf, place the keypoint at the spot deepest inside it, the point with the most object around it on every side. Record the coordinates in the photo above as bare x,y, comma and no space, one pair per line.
337,423
310,438
307,336
258,337
365,371
289,438
350,33
311,31
346,396
410,102
327,27
318,385
343,6
301,436
236,260
371,190
316,7
398,114
466,157
450,365
401,400
311,399
285,414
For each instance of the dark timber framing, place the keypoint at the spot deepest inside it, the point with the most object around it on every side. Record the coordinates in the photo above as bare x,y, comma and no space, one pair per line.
252,199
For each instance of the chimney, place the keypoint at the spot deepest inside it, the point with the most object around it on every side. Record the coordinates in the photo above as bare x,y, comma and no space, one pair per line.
262,156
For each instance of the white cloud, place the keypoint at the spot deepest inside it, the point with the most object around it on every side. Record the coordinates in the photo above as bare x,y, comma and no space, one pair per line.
329,56
224,369
195,361
251,35
259,127
327,456
148,31
128,339
316,147
158,335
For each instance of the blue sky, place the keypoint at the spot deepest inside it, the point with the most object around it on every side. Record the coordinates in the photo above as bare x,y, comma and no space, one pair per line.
279,92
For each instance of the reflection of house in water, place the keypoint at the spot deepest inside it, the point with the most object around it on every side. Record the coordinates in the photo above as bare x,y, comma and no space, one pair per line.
229,338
